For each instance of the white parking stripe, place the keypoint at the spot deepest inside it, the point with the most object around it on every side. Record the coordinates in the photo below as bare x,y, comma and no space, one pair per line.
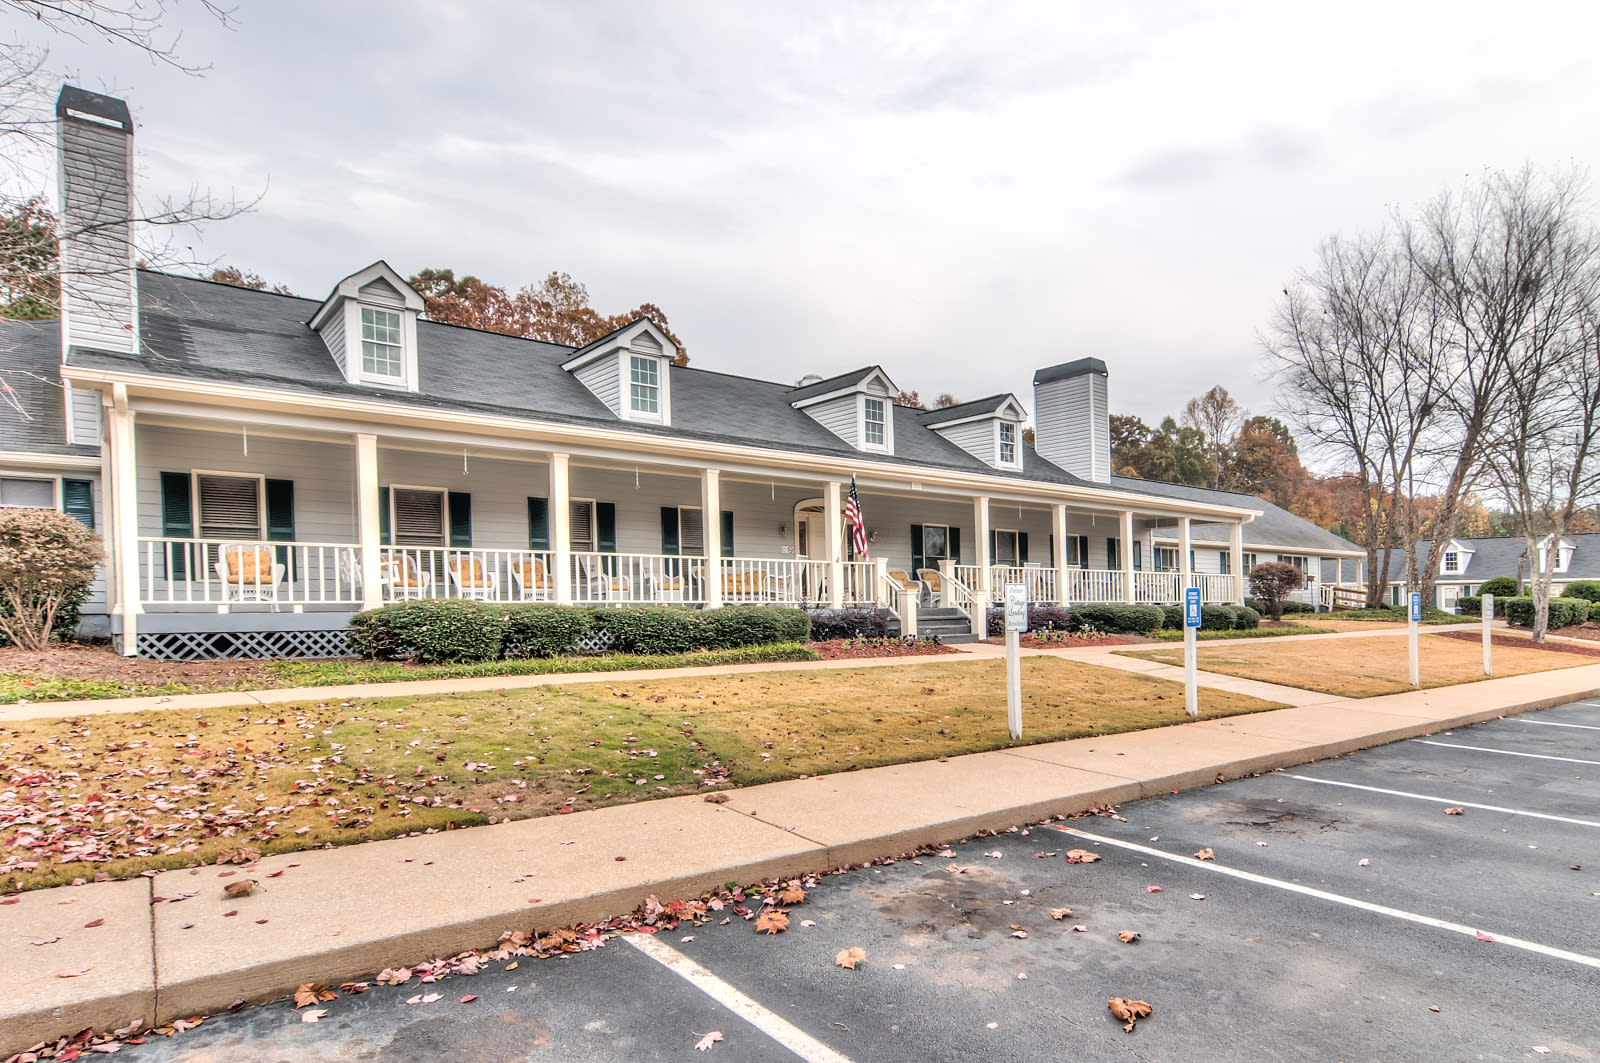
1336,898
1446,801
1505,752
1552,723
773,1025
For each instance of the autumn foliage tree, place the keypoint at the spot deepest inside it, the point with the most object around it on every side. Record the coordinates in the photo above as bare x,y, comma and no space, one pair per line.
47,561
557,310
1273,582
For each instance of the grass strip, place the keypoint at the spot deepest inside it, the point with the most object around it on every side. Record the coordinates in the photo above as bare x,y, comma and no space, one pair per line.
1256,633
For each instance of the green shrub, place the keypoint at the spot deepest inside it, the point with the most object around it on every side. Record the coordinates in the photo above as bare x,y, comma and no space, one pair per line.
1218,618
753,625
1471,605
1288,607
545,630
1500,587
1172,617
651,629
1564,612
1248,618
830,624
47,562
1118,619
445,629
1040,618
1587,589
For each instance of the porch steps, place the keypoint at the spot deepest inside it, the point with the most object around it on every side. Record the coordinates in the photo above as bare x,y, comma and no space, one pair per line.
951,625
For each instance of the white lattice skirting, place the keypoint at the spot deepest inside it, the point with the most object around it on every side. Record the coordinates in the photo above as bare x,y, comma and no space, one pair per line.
242,645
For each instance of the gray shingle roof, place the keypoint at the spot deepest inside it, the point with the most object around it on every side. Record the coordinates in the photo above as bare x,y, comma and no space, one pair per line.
834,383
30,362
1498,555
975,408
1275,525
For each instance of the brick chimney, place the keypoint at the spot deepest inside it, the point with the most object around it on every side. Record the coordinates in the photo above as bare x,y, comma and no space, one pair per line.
99,292
1071,419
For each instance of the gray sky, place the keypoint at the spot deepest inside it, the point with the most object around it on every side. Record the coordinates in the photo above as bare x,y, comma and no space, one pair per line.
961,193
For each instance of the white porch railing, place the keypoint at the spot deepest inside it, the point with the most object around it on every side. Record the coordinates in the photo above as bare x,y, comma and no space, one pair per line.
1215,588
637,579
1041,582
411,572
860,585
1100,586
1157,587
897,599
220,572
780,581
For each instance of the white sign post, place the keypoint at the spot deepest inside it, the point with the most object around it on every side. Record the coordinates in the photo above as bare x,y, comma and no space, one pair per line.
1191,639
1016,624
1488,634
1414,618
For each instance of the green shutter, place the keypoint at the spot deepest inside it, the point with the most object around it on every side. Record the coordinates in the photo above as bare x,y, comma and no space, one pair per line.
727,533
1022,548
1083,550
669,531
1113,553
994,546
280,519
177,520
918,558
605,518
383,515
955,545
77,501
460,503
1053,559
538,524
1138,555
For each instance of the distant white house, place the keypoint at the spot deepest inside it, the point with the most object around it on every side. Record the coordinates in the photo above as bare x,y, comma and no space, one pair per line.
263,466
1466,564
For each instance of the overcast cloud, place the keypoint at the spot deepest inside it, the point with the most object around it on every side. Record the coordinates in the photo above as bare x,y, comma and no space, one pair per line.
961,193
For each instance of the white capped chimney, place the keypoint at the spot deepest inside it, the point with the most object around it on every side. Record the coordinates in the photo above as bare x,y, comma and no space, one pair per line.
99,292
1071,419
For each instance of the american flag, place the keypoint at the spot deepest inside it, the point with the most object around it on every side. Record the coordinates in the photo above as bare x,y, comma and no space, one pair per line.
858,526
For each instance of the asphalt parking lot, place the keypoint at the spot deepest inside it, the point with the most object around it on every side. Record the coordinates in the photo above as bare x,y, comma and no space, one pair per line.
1346,917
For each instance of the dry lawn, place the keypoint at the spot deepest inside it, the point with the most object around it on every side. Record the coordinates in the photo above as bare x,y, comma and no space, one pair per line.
117,794
1365,668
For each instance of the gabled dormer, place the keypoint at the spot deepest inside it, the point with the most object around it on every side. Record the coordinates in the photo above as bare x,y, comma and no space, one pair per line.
857,407
630,371
1456,557
369,325
989,429
1564,553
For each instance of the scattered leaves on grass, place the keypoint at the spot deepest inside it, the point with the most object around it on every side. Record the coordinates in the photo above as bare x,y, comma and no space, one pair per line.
314,1015
705,1043
1128,1011
850,957
313,993
1205,854
1453,811
1060,913
1128,937
772,921
245,854
1081,856
243,888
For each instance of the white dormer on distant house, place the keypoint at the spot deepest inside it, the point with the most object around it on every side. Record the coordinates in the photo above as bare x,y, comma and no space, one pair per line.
629,371
1457,556
989,429
857,407
369,325
1563,555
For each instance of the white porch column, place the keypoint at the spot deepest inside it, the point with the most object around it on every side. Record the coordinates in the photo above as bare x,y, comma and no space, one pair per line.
1058,528
1236,561
368,520
1127,556
711,522
1185,548
832,520
124,489
561,525
980,527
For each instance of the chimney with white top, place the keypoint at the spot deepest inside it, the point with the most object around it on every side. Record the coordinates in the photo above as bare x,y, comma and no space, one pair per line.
99,293
1071,419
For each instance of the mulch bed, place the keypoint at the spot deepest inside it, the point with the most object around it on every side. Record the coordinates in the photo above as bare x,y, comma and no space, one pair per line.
846,650
74,660
1522,642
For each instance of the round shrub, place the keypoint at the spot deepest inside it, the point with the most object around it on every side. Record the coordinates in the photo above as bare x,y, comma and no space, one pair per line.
1587,589
445,629
1246,618
538,630
1217,618
1172,617
1469,605
752,625
1564,612
651,629
1118,619
47,562
830,624
1500,586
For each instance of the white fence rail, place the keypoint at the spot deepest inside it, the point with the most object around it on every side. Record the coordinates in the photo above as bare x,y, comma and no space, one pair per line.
175,571
1215,588
406,573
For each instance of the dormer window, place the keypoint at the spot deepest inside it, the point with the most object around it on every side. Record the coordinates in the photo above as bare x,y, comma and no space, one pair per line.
1452,561
1008,443
645,384
380,343
874,420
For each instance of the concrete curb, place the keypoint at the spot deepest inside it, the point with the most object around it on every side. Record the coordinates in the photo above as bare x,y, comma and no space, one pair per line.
341,914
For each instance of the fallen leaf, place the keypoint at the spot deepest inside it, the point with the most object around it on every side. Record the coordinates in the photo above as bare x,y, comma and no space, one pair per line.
94,923
1481,936
1197,896
315,1015
1128,1011
1452,811
772,921
513,965
850,957
46,941
1080,929
1081,856
1128,937
717,799
705,1043
468,999
792,894
229,915
808,922
313,993
1060,913
1364,862
1541,1049
1154,889
73,972
1205,854
243,888
1433,1007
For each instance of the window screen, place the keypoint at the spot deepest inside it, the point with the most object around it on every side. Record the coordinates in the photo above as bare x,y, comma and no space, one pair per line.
418,517
691,532
230,507
40,494
583,526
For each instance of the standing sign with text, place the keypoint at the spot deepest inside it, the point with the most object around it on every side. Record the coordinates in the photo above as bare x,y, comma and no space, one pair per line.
1016,600
1191,630
1191,607
1416,607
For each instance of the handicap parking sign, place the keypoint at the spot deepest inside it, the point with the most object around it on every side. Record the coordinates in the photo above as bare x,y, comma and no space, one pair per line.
1416,607
1191,607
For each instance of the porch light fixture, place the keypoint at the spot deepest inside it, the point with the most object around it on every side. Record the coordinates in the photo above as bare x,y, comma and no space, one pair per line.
783,529
872,535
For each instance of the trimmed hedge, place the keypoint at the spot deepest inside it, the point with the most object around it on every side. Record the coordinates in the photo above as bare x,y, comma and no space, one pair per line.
545,630
1564,612
1587,589
1119,619
1500,587
1040,618
1172,617
752,625
1288,607
830,624
432,630
1217,618
1472,605
651,629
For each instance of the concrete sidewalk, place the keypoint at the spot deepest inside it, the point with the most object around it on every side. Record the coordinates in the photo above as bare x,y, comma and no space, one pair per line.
342,914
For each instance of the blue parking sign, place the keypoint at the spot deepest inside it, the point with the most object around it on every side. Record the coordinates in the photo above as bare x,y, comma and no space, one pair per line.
1191,607
1416,607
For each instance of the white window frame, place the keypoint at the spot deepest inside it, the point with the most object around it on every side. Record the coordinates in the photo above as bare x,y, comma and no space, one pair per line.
355,353
397,349
261,501
1163,553
444,514
1000,444
624,367
54,481
640,390
1452,562
594,526
888,423
945,556
1016,547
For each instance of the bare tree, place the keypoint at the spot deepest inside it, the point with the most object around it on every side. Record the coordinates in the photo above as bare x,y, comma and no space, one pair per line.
1218,419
